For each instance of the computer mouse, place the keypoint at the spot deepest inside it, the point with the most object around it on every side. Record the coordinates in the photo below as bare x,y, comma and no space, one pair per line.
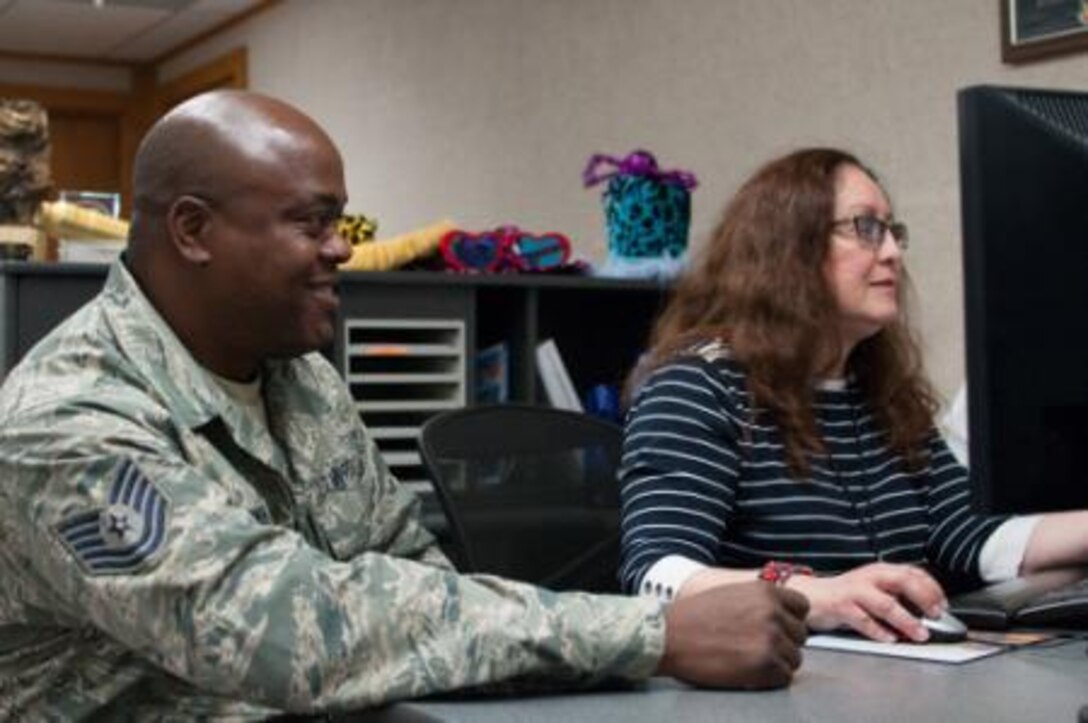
945,628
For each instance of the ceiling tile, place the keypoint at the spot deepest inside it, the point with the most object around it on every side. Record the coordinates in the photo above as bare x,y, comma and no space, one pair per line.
117,29
178,28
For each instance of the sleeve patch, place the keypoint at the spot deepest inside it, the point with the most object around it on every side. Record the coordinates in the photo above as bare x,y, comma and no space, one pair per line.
122,536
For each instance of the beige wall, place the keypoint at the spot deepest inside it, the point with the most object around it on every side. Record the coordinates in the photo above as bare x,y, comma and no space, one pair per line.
486,110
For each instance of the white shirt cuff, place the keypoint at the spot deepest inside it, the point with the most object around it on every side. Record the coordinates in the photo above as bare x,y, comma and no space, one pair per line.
1003,552
666,576
954,427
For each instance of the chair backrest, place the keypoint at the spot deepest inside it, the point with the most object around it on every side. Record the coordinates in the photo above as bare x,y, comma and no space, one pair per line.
530,493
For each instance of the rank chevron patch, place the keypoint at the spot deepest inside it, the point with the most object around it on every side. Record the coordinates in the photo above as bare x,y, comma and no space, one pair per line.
118,538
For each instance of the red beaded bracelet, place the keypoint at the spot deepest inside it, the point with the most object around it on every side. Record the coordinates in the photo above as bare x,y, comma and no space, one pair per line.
779,572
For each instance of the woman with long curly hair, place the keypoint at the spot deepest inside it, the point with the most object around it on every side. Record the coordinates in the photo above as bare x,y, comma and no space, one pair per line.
781,422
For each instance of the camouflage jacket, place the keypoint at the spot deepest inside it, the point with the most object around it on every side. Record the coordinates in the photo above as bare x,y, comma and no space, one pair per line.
160,557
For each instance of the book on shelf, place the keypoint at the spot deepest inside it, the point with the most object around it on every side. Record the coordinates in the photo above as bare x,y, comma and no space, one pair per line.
556,379
492,374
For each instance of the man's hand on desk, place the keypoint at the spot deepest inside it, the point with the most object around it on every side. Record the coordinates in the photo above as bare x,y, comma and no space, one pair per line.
747,635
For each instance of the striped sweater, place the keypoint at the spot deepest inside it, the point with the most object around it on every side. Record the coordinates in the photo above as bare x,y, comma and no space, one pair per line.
700,479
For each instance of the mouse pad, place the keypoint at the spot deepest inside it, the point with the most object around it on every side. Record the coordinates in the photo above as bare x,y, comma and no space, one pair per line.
935,652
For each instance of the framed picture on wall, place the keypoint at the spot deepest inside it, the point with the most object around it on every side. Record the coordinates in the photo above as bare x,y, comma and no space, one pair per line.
1035,29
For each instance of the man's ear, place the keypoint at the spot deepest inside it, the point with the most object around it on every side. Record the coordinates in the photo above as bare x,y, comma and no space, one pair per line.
189,221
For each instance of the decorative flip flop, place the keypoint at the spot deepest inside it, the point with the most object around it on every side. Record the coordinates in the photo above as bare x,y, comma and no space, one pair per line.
480,252
507,248
529,252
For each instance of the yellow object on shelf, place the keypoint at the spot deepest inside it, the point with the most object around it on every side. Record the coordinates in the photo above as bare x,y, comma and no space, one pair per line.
396,251
357,228
68,220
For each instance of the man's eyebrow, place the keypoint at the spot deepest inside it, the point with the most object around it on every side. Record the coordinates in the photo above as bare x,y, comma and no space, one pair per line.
322,202
326,199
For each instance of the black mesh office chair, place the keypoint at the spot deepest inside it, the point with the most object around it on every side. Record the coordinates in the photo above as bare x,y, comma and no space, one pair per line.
530,493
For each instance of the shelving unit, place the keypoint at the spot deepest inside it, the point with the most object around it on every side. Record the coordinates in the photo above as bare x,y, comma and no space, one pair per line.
406,341
402,371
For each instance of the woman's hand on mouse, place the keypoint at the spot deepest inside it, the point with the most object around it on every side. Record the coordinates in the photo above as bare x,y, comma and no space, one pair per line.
875,600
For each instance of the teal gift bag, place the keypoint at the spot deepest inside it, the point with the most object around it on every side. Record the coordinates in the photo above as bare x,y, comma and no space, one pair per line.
647,213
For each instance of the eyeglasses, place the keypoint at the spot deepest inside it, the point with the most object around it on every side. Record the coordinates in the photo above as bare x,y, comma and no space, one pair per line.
871,230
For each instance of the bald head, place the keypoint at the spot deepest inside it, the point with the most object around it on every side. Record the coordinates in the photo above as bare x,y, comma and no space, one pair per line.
233,237
211,147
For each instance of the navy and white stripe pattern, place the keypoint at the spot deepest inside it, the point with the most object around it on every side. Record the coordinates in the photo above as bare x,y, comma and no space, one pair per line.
701,480
119,538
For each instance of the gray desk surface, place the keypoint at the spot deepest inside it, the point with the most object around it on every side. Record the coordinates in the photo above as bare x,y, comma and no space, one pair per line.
1031,684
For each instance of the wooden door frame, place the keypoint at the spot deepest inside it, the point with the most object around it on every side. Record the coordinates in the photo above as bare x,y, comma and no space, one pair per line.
136,110
111,105
230,70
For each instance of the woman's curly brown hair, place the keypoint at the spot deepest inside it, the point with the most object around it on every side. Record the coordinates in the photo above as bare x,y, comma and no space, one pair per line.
759,286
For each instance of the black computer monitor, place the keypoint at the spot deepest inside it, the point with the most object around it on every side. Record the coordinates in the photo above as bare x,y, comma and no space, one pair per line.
1024,193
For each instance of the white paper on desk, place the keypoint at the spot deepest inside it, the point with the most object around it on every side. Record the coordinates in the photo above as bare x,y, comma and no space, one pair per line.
938,652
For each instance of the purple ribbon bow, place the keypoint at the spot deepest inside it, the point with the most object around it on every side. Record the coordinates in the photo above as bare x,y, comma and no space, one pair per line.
637,163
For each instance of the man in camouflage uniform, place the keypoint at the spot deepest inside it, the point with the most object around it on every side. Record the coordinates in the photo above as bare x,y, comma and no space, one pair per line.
196,524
